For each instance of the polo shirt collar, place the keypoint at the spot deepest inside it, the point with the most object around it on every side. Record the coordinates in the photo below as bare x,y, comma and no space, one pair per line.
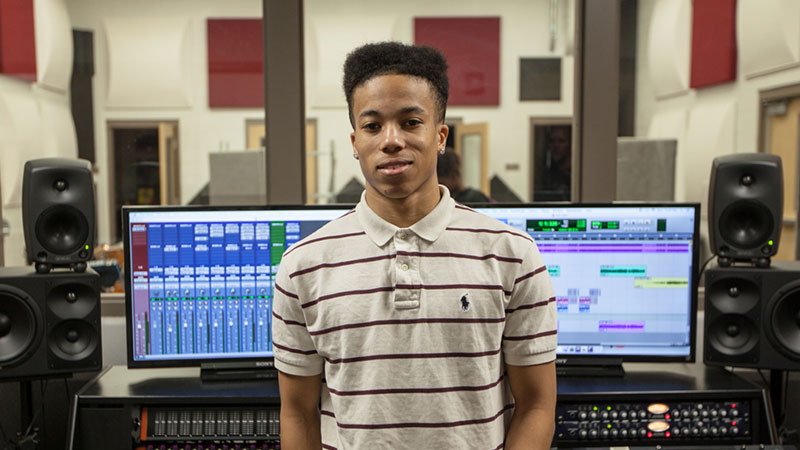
429,227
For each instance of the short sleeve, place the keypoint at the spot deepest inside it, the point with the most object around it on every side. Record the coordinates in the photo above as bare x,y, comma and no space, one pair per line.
530,332
293,347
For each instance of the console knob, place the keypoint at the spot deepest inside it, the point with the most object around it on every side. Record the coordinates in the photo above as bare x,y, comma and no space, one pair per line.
582,415
643,432
686,413
604,434
642,414
723,431
714,413
623,414
623,432
714,431
695,431
734,412
685,430
604,414
704,431
593,434
593,415
582,434
676,431
723,413
704,413
614,414
614,433
695,413
734,430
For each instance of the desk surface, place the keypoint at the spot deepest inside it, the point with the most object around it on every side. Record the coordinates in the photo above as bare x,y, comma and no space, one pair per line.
120,382
662,377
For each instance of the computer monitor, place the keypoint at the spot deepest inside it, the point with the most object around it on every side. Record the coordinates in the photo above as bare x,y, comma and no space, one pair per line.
199,282
624,275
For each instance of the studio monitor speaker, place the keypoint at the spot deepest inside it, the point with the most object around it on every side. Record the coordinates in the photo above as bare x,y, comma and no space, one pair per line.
58,212
752,316
745,207
49,324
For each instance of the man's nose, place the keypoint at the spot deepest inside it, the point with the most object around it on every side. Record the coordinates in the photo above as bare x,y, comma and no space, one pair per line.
392,138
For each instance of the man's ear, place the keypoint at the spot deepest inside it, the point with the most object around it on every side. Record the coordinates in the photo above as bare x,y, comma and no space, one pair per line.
444,131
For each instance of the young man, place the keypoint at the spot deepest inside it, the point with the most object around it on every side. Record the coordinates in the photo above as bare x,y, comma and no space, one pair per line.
423,315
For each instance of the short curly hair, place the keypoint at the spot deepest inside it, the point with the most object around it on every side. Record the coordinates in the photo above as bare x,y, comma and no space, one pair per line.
382,58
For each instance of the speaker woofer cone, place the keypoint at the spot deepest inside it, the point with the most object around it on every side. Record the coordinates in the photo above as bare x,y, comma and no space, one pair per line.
733,295
18,322
73,340
746,224
785,321
62,229
732,334
72,300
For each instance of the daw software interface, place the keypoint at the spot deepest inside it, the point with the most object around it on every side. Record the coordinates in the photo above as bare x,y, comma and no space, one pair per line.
623,275
201,281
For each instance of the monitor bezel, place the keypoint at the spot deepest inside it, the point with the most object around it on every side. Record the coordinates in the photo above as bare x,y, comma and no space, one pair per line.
254,362
573,359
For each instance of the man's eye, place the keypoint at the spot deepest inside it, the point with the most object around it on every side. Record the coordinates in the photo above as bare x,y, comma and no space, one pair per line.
413,122
371,126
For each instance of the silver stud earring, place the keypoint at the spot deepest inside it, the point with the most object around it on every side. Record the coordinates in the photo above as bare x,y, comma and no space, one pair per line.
441,151
355,155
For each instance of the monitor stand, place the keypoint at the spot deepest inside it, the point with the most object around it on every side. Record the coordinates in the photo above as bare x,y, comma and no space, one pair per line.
237,371
596,366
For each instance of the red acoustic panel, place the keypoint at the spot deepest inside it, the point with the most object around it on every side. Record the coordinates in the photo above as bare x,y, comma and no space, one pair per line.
235,63
472,48
17,39
713,42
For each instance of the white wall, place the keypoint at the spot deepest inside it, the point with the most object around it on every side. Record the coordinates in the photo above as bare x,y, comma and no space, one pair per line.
332,29
151,34
151,65
35,118
525,32
714,120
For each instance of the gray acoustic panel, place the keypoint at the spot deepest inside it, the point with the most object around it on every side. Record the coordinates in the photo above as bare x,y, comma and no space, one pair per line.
351,192
646,169
237,178
500,192
540,79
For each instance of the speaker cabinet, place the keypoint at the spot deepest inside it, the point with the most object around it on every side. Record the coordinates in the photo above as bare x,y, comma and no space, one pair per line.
752,316
49,324
745,207
58,212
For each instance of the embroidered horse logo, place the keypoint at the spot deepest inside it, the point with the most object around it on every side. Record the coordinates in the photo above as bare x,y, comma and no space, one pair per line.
464,303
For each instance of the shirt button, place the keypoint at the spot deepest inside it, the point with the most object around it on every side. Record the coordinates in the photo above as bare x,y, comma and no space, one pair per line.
401,235
403,267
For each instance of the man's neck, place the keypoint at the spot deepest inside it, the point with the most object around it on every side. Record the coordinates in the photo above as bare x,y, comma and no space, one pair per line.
403,212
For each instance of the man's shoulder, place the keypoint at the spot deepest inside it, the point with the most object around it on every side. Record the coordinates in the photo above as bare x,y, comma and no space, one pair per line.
478,223
330,234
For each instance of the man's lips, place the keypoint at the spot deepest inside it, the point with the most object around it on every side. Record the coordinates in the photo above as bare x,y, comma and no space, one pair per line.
393,167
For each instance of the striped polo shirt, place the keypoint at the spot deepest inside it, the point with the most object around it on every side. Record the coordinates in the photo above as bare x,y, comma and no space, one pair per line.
412,327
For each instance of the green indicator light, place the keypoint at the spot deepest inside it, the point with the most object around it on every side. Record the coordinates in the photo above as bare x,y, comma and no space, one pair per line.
594,408
770,242
87,245
608,426
608,408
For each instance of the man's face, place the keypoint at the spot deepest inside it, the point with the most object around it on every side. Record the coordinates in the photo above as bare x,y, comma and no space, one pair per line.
397,135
